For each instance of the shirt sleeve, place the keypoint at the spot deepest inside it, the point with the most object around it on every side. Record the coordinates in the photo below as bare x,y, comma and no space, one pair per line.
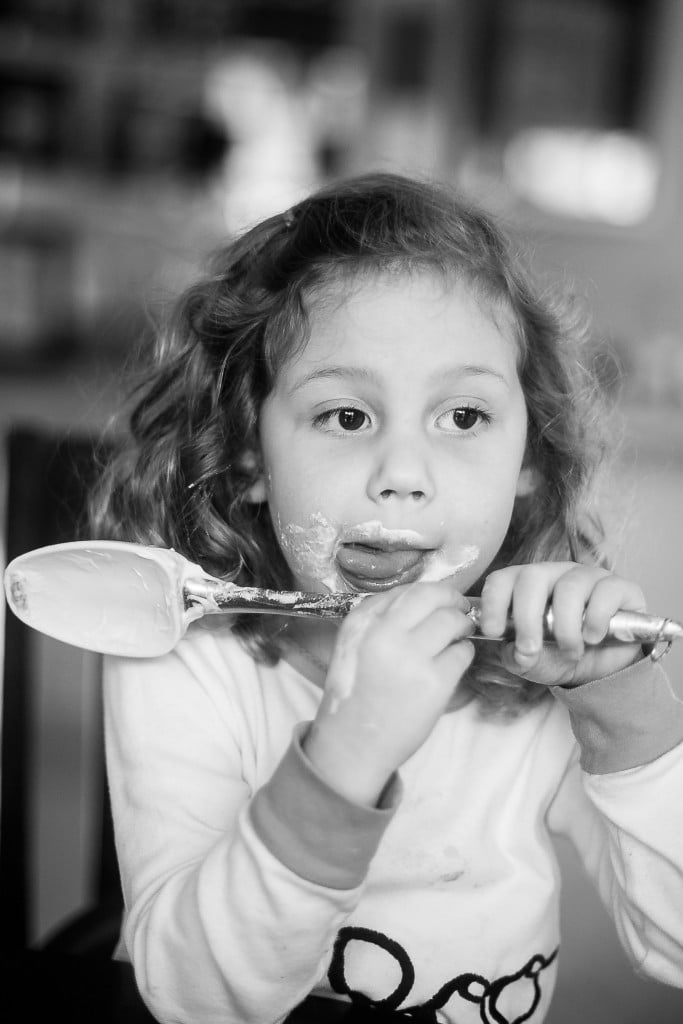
626,719
233,897
316,831
620,805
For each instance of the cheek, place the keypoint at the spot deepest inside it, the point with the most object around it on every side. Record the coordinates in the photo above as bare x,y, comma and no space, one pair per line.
293,490
305,526
482,510
310,549
497,503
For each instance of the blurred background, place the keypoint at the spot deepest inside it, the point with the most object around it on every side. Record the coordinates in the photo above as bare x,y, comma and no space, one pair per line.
136,136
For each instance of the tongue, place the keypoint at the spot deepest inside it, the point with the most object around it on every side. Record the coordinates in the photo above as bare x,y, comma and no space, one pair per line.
376,564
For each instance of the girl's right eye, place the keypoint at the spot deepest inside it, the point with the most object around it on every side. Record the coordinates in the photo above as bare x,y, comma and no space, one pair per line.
346,419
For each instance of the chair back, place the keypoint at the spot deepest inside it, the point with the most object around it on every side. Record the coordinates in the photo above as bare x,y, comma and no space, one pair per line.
47,477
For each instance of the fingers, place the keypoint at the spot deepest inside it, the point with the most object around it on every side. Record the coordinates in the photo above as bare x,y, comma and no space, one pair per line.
522,592
609,595
444,627
412,603
453,661
567,595
583,599
430,617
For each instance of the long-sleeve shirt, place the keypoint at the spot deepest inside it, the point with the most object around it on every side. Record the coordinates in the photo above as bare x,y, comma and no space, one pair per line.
250,883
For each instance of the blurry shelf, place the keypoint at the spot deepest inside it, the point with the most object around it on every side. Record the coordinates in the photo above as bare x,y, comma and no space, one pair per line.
72,394
115,56
85,201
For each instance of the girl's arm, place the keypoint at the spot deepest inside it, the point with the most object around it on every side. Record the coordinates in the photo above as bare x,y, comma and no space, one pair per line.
238,872
219,924
621,802
397,662
620,805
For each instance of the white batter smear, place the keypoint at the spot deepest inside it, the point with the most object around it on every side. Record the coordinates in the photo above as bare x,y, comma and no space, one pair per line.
341,674
312,548
107,596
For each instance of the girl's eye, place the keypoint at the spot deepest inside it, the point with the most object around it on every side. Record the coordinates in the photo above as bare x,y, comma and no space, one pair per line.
346,419
466,417
463,418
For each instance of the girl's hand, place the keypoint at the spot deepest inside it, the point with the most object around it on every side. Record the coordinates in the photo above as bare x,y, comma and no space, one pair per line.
583,600
398,659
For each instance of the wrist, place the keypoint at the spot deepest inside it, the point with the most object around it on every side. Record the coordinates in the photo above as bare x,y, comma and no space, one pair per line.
616,660
349,767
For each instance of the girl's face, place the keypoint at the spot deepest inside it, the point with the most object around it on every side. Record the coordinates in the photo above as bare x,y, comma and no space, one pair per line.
392,443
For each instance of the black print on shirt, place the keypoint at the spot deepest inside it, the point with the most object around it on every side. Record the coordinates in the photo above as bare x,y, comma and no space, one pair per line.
472,987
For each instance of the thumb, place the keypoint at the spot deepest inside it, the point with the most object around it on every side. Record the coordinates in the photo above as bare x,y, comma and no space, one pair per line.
545,666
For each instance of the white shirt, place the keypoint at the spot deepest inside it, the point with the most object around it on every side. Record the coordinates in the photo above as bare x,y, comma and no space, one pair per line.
249,883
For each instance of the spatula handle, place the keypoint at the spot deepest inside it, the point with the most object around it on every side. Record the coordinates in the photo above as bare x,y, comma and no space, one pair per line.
214,597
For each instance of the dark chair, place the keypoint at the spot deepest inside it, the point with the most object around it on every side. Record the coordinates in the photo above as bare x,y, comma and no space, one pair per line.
69,967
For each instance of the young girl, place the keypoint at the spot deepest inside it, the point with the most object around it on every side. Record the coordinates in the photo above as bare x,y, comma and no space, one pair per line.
367,394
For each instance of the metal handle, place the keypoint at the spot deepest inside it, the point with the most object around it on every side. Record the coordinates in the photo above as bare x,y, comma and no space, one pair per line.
214,596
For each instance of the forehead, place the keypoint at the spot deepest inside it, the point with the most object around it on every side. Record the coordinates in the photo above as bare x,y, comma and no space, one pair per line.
383,314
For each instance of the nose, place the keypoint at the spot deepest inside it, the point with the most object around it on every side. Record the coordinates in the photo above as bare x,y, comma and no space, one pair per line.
401,471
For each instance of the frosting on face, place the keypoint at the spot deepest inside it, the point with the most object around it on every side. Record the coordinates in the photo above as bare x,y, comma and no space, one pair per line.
373,532
438,565
312,551
441,565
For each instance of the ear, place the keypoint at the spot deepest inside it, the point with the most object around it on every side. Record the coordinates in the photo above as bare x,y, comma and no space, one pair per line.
527,482
256,492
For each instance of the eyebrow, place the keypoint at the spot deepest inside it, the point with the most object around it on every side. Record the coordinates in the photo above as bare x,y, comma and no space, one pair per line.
359,373
366,375
470,370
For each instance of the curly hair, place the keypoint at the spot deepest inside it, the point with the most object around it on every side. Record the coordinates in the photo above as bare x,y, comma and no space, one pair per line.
182,475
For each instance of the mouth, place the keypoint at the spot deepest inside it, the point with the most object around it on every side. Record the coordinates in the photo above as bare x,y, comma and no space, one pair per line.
376,567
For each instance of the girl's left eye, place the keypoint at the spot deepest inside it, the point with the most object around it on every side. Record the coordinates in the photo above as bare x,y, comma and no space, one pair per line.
346,419
462,418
